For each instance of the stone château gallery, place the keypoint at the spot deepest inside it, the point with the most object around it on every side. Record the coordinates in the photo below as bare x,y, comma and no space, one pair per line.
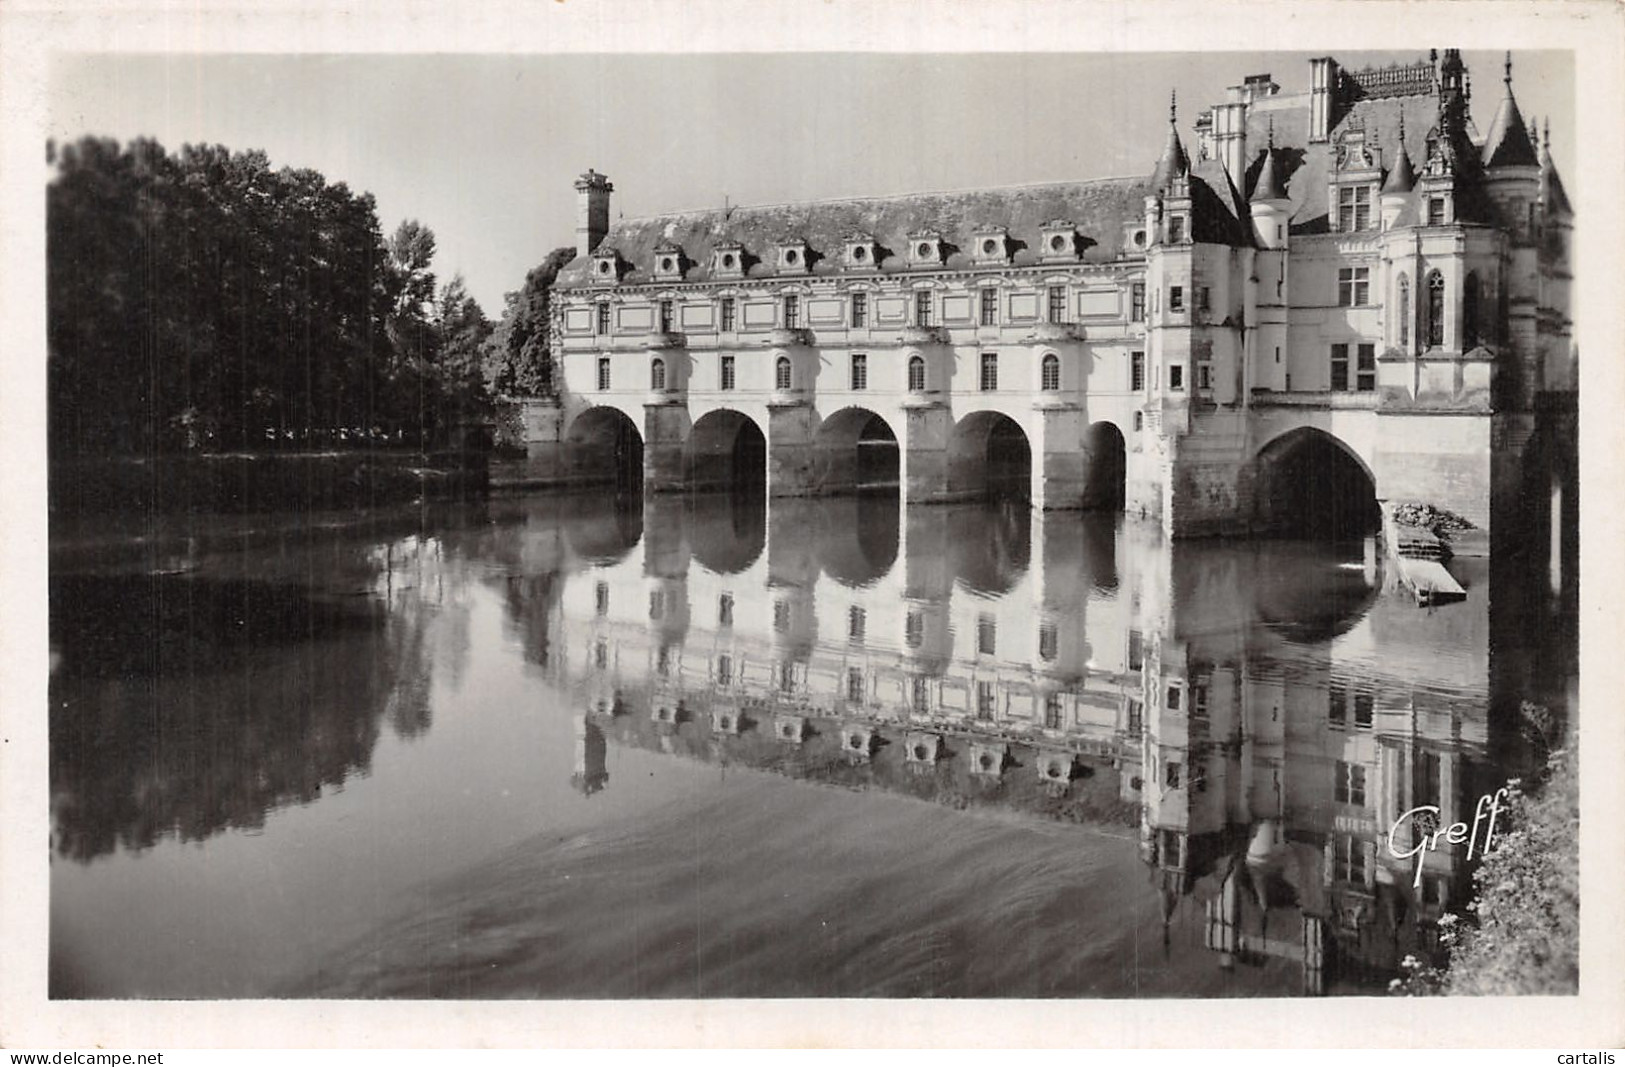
1331,299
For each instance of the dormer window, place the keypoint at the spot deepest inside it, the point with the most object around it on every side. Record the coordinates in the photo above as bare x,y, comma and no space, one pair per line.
925,249
1059,240
992,245
606,266
792,256
861,253
668,262
728,260
1176,229
1353,208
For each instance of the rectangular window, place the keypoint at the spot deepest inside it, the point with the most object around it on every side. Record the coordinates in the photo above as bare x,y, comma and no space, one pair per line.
725,610
922,309
1048,641
1136,371
920,698
725,670
663,661
860,371
725,373
1057,303
1052,712
792,312
1337,712
603,372
1176,229
914,629
1435,211
1350,784
1139,421
665,316
1204,376
1366,370
601,599
781,615
600,655
1354,207
603,318
1353,286
984,701
1350,854
990,307
1136,716
1340,368
1364,706
1174,695
1199,700
657,604
1171,776
854,685
1136,650
990,371
856,622
1176,377
727,313
1176,298
860,309
986,635
1204,299
1137,302
787,677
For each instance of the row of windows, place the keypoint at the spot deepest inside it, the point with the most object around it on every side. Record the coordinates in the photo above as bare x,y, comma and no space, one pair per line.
987,381
924,309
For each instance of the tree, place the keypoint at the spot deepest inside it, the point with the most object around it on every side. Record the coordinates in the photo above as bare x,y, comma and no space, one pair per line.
518,360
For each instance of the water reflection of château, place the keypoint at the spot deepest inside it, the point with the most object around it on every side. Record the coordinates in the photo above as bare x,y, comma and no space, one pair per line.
1260,713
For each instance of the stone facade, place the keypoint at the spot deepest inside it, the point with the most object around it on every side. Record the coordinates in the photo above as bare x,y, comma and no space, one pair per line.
1154,343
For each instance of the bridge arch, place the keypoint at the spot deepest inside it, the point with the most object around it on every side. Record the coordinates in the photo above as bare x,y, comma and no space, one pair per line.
989,456
855,449
1106,482
1310,483
726,450
605,448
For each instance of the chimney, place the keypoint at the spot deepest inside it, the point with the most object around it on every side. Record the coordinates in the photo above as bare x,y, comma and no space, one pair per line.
1322,97
592,211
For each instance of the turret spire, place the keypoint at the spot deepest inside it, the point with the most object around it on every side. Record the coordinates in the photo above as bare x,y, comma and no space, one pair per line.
1508,143
1402,178
1173,163
1268,186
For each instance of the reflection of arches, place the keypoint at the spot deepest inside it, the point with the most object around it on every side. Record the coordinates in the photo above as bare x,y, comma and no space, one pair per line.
726,450
727,530
1106,483
605,447
989,545
989,456
1300,595
858,538
855,449
1310,484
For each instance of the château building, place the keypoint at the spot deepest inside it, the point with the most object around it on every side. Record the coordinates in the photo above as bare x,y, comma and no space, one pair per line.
1325,301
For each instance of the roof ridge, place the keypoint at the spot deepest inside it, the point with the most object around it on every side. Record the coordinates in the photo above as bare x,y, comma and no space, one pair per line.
975,190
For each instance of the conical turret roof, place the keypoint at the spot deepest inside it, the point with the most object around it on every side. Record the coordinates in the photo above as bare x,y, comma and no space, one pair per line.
1508,143
1174,162
1268,186
1402,178
1557,200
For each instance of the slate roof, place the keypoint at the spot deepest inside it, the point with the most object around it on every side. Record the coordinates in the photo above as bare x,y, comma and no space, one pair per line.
1101,209
1508,144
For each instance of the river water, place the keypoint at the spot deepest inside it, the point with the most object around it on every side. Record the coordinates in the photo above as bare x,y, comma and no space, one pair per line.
709,747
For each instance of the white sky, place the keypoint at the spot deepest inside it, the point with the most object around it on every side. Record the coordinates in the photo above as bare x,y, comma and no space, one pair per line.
484,148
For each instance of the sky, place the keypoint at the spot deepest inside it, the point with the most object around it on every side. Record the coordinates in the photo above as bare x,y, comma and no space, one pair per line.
484,148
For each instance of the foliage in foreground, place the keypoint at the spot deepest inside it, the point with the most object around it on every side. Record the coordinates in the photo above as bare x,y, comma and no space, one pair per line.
1522,936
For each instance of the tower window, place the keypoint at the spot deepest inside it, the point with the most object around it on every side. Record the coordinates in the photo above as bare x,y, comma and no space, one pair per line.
1354,207
1137,302
782,379
792,312
985,701
860,309
727,313
1340,368
990,372
986,635
1435,211
1050,375
1048,640
922,309
1435,310
725,610
603,372
1204,299
856,622
603,319
1057,303
725,373
860,371
1365,377
1176,298
1176,229
1176,377
854,685
665,316
916,374
1353,286
1404,312
1136,371
914,629
990,307
657,375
